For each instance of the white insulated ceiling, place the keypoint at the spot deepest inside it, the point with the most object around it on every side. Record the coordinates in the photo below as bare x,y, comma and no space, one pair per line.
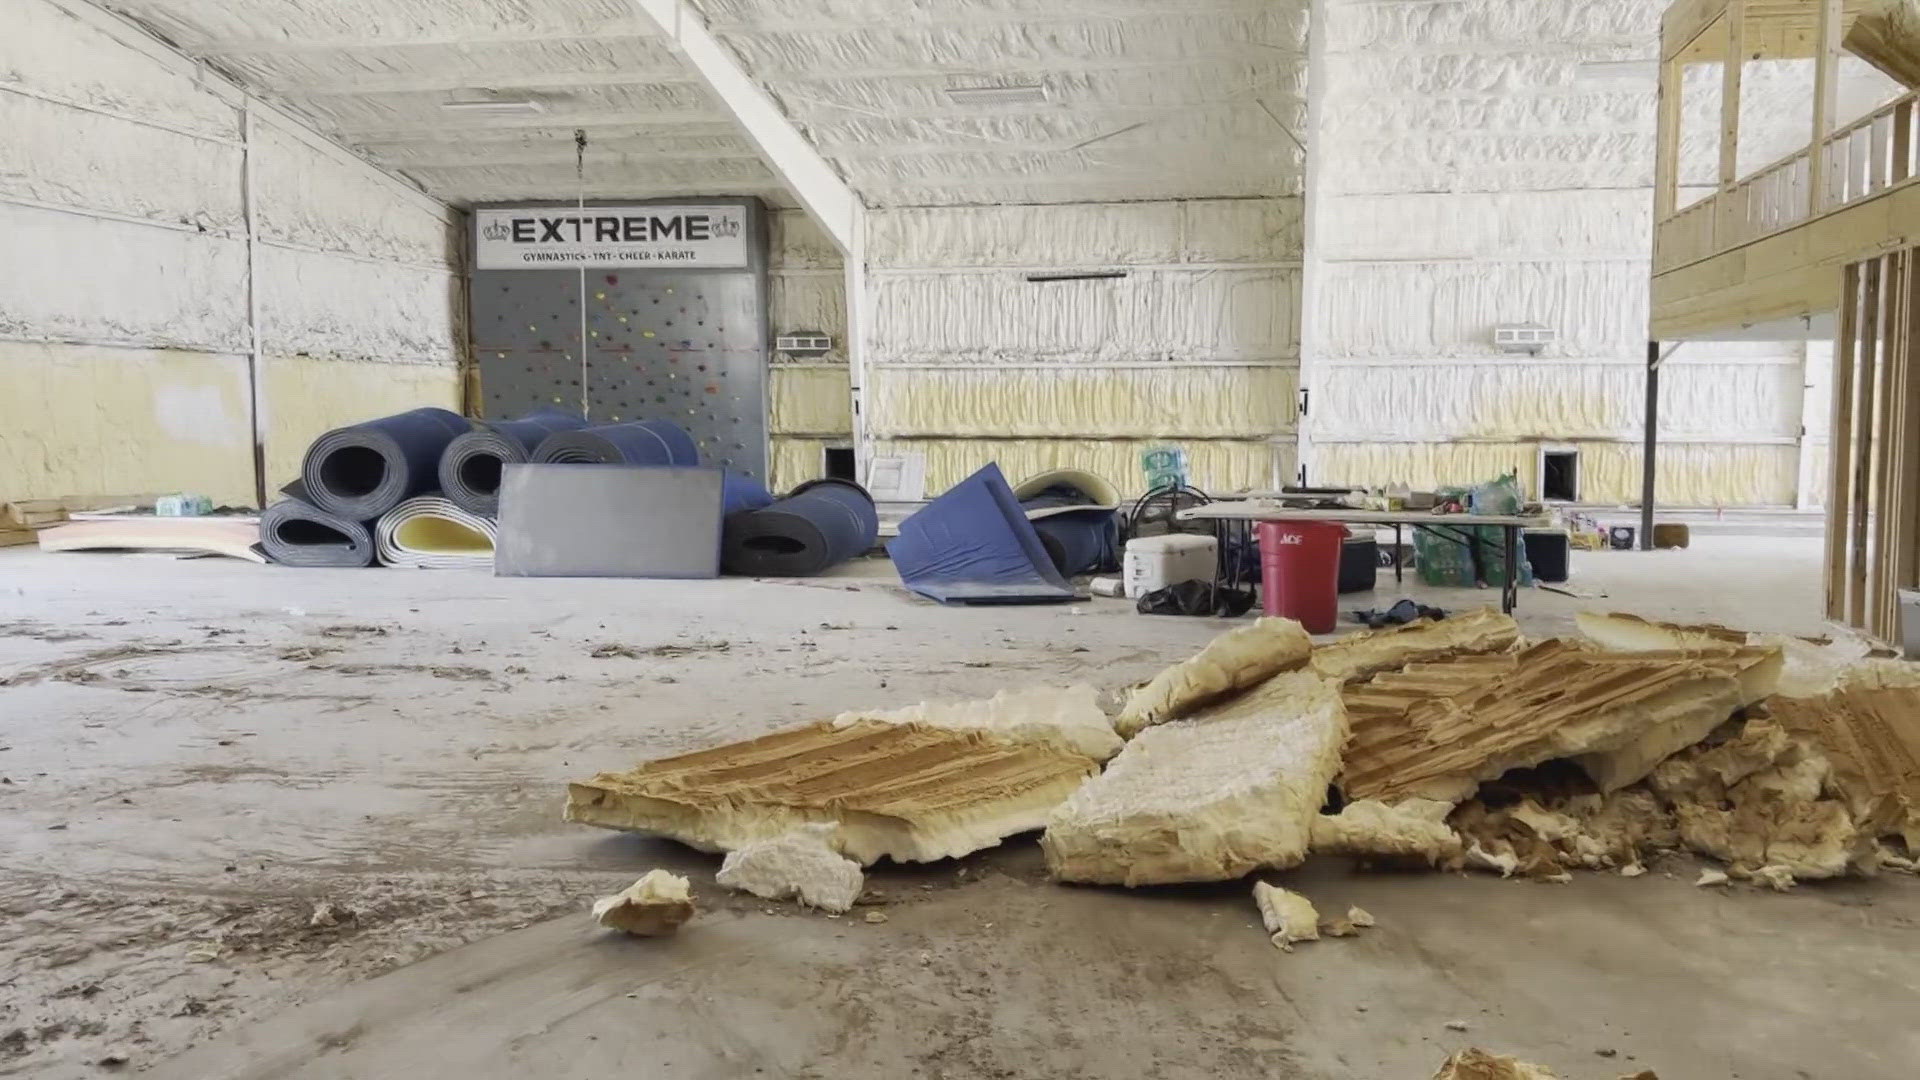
1143,98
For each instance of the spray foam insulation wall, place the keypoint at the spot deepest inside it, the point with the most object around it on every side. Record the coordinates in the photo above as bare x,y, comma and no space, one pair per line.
124,312
1196,344
1474,173
809,398
1694,474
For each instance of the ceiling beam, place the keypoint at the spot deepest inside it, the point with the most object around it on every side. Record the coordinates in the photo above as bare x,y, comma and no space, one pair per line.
1100,11
363,85
477,35
833,204
430,127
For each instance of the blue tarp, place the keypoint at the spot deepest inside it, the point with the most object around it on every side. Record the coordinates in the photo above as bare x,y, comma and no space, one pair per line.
974,545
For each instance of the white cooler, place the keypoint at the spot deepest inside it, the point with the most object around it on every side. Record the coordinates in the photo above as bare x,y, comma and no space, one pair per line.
1155,562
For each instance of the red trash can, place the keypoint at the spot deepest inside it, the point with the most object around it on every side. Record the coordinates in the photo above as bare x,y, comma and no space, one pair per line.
1300,572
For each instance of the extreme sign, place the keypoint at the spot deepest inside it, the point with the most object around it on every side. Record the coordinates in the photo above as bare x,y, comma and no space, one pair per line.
568,237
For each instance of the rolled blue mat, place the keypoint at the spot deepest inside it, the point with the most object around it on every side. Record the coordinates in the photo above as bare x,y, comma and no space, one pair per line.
364,470
821,524
470,468
640,442
294,532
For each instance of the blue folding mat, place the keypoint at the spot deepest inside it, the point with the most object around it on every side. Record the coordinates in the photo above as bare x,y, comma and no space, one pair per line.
974,545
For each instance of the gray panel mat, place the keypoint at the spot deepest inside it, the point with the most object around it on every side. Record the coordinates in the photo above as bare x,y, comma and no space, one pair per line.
609,521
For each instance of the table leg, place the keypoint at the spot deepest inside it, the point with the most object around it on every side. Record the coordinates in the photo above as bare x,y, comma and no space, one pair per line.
1510,588
1399,556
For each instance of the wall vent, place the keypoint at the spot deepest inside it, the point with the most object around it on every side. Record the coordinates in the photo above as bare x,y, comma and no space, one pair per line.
805,343
1527,338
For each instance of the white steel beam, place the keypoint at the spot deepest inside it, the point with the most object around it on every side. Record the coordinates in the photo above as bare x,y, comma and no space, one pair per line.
833,204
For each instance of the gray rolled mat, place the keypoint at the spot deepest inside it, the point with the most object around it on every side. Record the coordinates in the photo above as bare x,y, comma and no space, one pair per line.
298,533
641,442
429,532
470,467
365,470
821,524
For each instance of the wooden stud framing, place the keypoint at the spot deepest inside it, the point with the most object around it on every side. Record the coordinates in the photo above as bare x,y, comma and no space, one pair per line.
1873,517
1666,169
1840,446
1825,99
1904,511
1891,403
1729,218
1861,504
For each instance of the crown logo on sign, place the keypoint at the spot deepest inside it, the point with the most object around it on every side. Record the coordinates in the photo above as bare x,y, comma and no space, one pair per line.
496,230
726,226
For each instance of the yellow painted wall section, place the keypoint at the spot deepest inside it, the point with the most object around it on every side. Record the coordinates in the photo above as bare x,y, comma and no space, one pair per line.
1689,474
810,401
794,461
1217,466
307,397
1166,402
101,420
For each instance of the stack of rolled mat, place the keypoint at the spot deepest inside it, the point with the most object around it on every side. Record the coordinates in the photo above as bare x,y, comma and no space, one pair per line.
362,471
470,467
294,532
819,525
640,442
430,532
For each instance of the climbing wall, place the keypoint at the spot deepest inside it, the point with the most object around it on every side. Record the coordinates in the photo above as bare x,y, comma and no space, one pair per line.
685,345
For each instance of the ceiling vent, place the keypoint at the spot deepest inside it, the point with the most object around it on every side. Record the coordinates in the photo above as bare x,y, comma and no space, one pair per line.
494,106
997,96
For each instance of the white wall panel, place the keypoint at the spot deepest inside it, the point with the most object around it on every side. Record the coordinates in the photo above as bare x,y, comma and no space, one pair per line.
58,155
66,277
1148,315
47,52
1472,173
1569,400
314,199
1198,343
321,305
124,282
1043,236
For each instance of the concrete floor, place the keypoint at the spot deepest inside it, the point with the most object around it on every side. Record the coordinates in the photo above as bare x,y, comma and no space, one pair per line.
197,753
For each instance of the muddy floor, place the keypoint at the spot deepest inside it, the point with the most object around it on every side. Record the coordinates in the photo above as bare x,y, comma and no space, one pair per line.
227,790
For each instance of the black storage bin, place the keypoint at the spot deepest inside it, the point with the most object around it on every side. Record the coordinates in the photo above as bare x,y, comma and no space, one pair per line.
1359,562
1547,554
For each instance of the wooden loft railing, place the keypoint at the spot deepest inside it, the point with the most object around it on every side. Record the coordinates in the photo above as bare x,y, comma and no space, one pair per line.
1871,156
1868,157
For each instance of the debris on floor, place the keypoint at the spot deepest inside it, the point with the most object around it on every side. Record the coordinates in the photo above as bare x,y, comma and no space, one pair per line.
1438,730
1477,1064
1288,916
1368,652
655,905
1235,788
907,792
800,865
1235,660
1868,728
1065,719
1355,920
1413,829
